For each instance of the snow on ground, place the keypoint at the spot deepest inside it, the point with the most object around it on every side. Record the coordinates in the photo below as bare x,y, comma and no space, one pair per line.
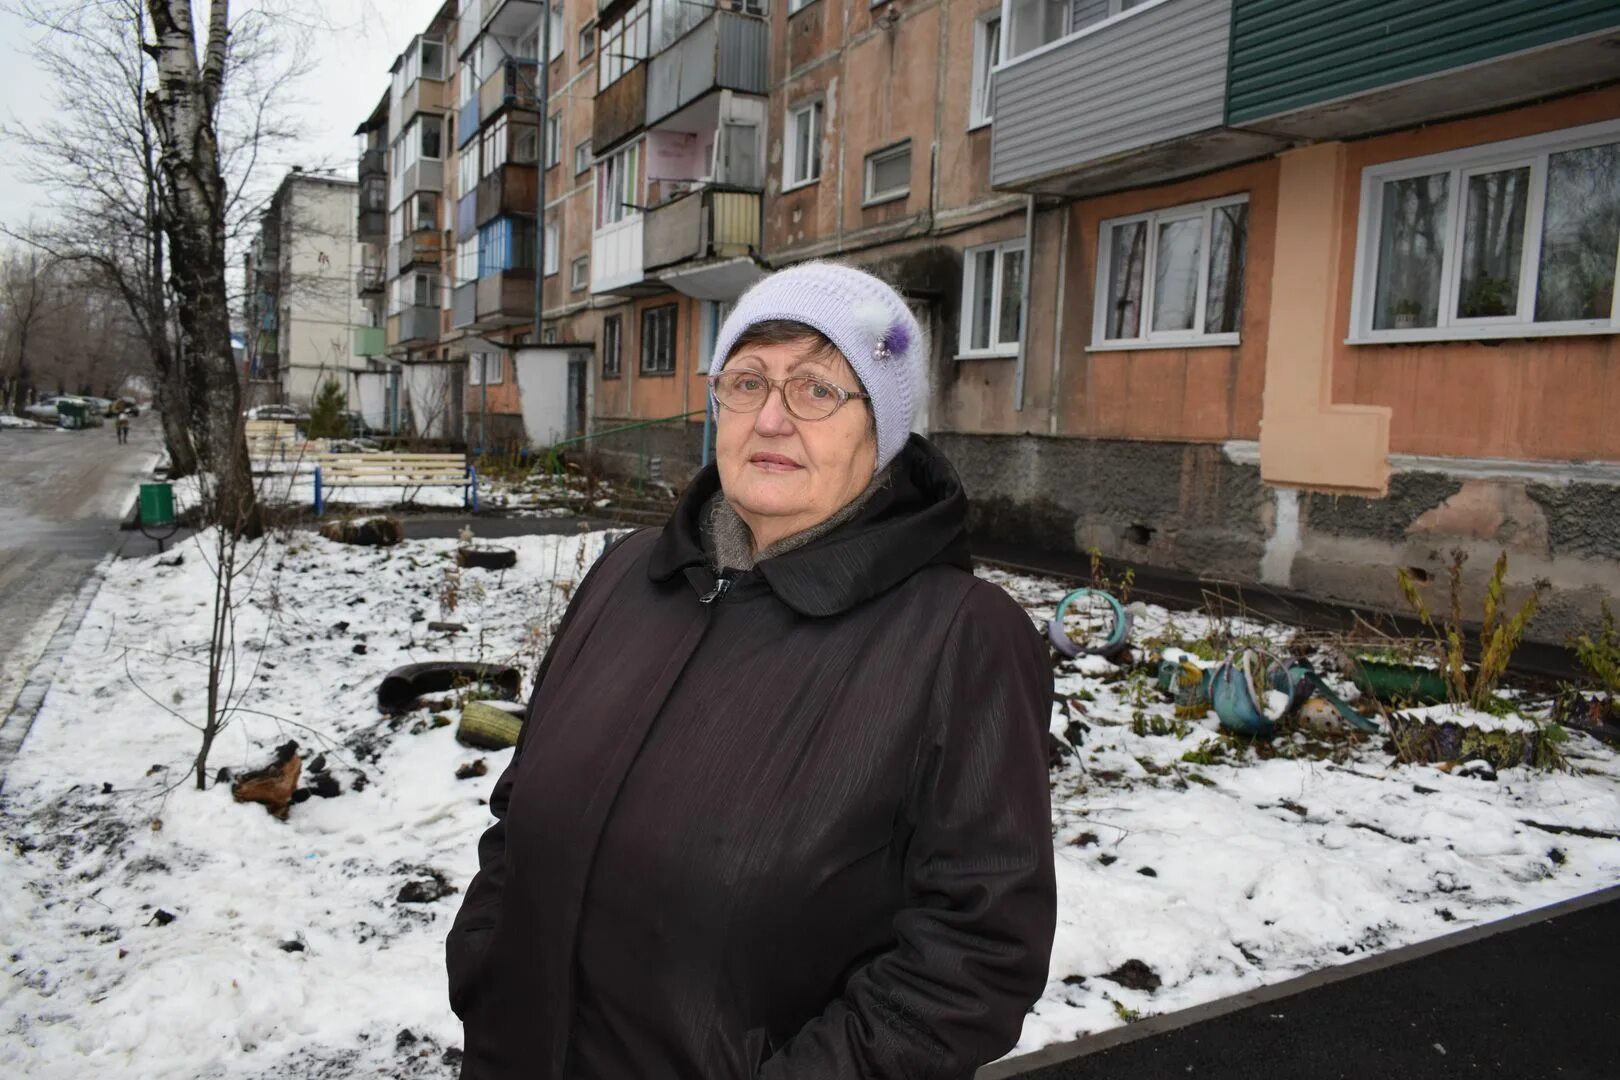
9,421
290,953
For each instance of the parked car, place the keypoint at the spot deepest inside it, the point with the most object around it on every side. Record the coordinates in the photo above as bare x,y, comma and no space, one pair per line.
277,412
102,406
45,409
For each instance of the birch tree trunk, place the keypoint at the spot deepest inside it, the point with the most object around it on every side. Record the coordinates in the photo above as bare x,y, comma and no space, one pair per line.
184,108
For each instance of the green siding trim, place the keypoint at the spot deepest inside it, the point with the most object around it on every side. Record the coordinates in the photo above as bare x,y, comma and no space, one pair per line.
1287,54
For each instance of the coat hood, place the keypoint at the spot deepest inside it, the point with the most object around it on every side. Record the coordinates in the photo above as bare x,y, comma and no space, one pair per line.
917,519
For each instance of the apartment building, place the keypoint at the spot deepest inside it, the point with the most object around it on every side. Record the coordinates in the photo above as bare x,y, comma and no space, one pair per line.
300,287
418,134
679,141
521,387
1324,290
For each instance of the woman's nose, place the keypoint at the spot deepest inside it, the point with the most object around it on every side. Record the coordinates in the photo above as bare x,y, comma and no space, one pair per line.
773,417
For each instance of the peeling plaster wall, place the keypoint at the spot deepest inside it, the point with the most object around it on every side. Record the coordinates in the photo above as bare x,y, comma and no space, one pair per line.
1196,508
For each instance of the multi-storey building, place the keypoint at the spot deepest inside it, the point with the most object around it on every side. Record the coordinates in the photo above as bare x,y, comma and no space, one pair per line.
380,386
300,286
419,133
1326,289
679,139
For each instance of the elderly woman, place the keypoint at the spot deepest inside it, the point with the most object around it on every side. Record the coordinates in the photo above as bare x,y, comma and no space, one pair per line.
780,804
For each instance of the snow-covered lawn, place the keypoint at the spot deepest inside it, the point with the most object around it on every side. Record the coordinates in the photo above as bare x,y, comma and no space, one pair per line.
290,954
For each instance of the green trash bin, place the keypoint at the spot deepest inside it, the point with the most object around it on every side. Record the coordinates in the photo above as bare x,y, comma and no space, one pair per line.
157,505
72,414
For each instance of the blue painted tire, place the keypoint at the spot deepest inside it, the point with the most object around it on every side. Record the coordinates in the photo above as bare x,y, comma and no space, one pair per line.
1116,642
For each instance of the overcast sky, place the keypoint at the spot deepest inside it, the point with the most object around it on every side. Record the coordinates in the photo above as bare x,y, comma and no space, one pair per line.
350,74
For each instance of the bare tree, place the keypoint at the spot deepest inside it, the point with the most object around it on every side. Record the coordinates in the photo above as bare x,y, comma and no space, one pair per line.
28,295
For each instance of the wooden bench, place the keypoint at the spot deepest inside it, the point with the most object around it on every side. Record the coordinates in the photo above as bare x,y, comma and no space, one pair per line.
270,440
394,470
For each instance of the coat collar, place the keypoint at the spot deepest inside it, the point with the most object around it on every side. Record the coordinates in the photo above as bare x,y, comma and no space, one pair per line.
918,519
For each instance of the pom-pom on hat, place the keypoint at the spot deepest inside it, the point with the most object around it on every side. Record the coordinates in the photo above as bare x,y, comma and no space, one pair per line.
868,322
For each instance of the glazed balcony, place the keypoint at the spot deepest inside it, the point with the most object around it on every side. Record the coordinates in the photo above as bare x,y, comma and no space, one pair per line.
373,163
513,86
369,281
464,305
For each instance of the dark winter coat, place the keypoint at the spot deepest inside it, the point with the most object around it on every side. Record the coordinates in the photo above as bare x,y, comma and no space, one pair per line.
798,828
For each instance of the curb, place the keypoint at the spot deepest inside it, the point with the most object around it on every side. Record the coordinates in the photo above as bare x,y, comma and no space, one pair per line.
14,729
1058,1053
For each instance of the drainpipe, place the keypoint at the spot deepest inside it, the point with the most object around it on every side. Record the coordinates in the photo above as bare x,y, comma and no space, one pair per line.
543,99
1023,300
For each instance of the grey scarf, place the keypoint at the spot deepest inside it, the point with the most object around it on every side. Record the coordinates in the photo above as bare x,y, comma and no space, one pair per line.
730,545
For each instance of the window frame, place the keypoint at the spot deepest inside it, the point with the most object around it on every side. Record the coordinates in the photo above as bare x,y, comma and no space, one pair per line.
553,242
611,170
587,40
658,311
964,339
613,333
1149,338
869,169
981,90
582,158
579,273
553,140
816,107
1483,158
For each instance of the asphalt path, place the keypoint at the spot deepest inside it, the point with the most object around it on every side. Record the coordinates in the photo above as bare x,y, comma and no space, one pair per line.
62,495
1527,998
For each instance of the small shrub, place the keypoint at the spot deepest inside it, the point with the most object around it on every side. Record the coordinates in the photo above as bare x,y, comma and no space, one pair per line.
1600,656
326,415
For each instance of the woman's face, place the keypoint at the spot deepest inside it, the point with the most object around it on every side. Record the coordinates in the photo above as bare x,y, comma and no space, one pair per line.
783,474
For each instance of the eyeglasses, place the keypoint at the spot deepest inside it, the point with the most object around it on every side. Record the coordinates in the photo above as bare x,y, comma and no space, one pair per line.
805,396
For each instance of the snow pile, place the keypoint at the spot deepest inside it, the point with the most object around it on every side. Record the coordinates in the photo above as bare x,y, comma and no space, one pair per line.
158,931
9,421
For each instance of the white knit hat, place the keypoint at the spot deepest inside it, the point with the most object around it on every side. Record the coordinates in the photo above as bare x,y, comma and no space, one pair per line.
864,318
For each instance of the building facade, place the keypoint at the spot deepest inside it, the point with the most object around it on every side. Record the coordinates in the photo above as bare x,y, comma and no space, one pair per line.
1327,290
300,286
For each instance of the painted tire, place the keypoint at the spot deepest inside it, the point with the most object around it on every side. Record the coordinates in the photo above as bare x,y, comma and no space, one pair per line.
1116,641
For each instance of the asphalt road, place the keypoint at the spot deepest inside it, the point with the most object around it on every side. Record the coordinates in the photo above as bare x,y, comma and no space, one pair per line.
62,494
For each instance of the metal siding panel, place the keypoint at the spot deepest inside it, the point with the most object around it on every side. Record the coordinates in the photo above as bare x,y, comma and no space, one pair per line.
1106,92
1287,54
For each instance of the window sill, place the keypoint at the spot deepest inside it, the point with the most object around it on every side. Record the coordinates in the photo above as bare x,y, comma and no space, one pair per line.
880,200
1433,334
644,373
614,376
1212,341
806,6
975,125
801,184
987,354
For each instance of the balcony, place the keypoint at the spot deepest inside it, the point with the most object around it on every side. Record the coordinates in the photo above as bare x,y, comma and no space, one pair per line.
373,163
369,281
511,18
373,226
713,223
1153,84
617,265
464,305
413,325
467,118
426,246
621,110
726,51
426,175
370,340
267,320
467,215
1298,72
504,298
266,367
510,189
511,87
423,95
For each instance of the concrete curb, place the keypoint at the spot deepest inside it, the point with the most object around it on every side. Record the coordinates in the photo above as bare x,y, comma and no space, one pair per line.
1058,1053
14,729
